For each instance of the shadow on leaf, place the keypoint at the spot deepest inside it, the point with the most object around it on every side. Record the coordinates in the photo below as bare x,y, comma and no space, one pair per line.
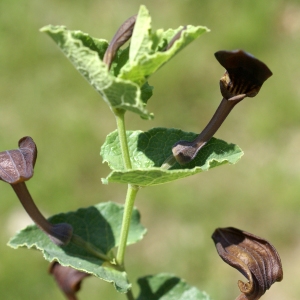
92,227
150,290
157,145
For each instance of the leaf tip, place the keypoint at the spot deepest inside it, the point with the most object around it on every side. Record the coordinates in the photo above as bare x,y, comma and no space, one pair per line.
144,9
149,116
45,28
104,180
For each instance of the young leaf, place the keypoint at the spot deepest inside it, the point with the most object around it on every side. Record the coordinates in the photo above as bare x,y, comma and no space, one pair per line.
123,87
86,55
150,149
168,287
148,49
99,226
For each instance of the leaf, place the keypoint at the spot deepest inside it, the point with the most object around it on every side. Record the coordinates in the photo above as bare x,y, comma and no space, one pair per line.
168,287
98,225
86,55
123,87
148,150
253,256
147,50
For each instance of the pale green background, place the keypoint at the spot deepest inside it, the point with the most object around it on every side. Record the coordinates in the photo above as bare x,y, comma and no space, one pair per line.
43,96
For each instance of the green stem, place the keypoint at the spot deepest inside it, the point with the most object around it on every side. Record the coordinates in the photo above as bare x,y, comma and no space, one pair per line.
131,193
129,203
129,295
119,113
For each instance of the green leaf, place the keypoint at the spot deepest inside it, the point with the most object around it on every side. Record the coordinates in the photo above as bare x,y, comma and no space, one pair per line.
99,226
125,85
147,52
148,150
168,287
86,54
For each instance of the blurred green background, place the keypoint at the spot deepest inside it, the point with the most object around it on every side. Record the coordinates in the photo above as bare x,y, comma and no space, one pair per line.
43,96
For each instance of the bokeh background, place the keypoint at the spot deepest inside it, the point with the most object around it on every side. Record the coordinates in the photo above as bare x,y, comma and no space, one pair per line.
43,96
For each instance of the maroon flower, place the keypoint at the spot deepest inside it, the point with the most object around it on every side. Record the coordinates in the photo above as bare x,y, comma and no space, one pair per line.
244,77
253,256
244,74
16,166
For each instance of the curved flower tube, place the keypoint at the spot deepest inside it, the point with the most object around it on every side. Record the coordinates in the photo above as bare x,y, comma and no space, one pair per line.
16,167
244,77
253,256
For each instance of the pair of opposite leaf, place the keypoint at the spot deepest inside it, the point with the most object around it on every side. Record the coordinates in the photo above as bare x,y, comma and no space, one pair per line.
123,34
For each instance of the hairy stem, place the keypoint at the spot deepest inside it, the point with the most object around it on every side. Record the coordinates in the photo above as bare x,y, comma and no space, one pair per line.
129,203
119,113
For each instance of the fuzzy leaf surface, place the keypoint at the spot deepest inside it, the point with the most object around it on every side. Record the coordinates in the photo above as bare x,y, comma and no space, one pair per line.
147,50
125,85
148,150
98,225
168,287
86,55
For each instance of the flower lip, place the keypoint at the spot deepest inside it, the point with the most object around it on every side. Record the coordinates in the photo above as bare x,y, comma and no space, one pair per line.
245,73
252,256
17,165
241,61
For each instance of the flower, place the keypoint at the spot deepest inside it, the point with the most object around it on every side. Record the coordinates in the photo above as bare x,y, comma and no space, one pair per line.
16,167
253,256
244,74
